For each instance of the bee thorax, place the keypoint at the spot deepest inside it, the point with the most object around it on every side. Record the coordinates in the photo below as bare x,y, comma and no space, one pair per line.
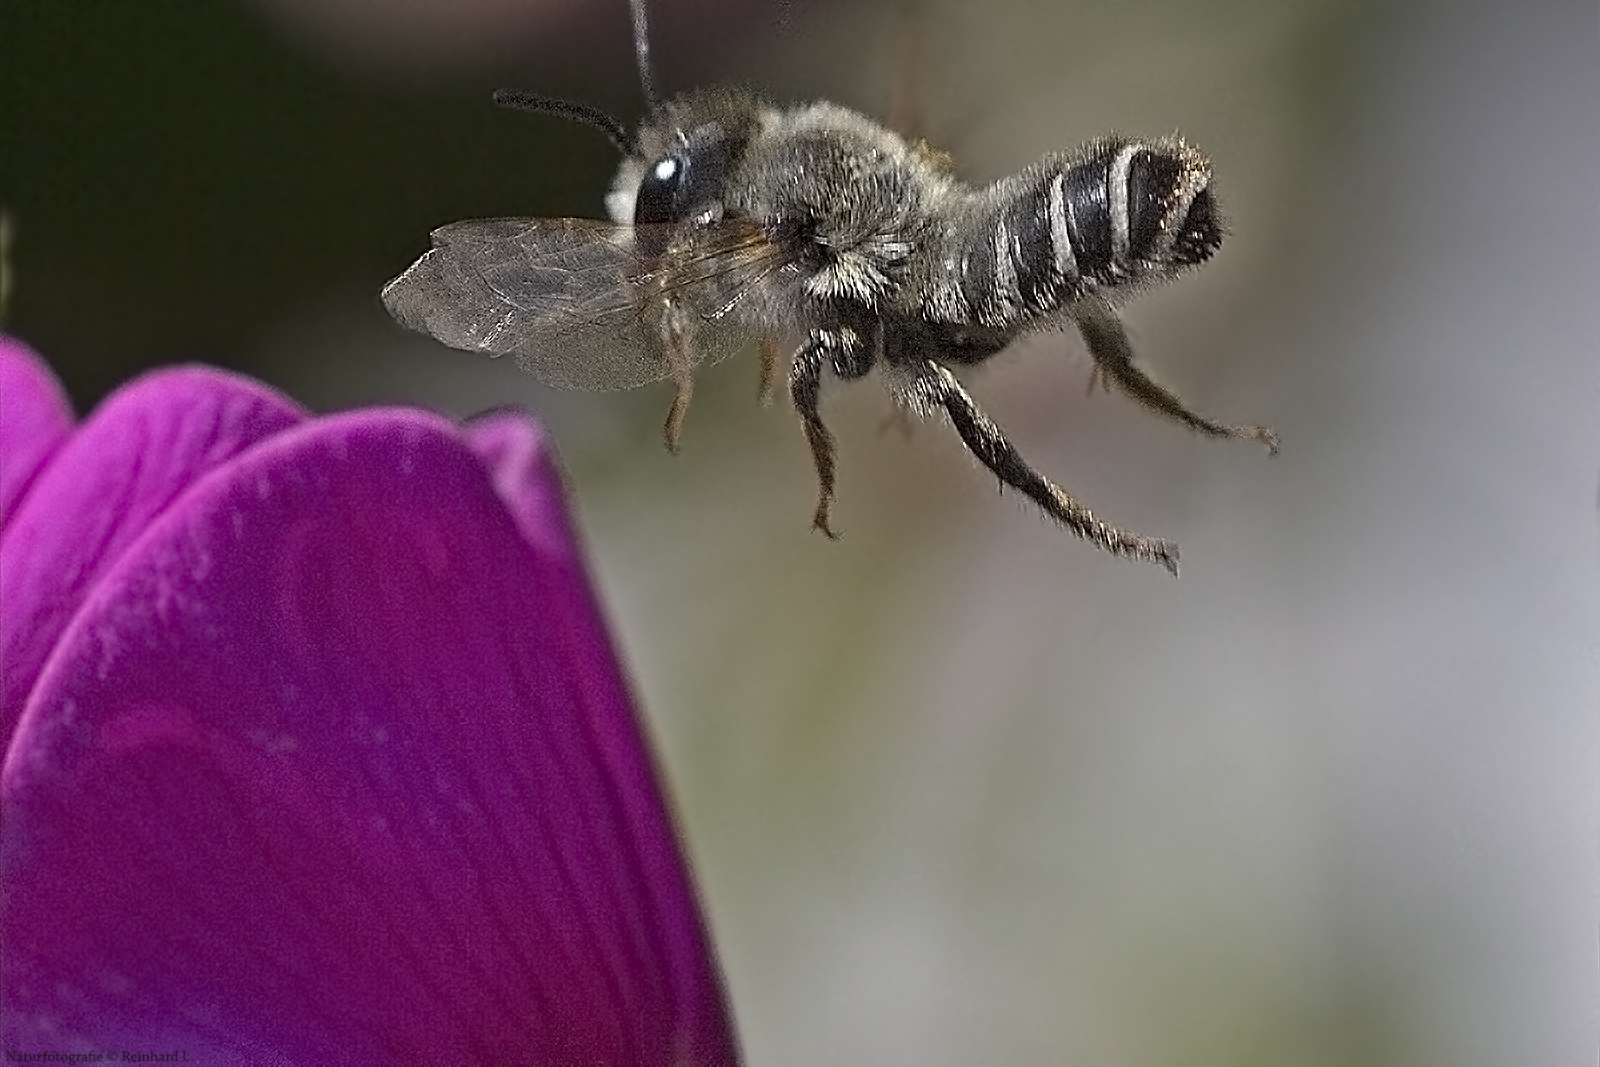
843,194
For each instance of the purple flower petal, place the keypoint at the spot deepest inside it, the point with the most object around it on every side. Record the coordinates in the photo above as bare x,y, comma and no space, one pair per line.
336,766
524,474
140,450
34,419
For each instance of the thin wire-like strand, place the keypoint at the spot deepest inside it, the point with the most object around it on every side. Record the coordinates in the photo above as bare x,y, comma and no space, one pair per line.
641,50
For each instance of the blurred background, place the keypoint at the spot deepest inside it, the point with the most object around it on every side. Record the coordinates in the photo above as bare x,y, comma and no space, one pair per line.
959,788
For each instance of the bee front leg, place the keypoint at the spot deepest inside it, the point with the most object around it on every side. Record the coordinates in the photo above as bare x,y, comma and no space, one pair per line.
675,343
925,386
1113,365
768,348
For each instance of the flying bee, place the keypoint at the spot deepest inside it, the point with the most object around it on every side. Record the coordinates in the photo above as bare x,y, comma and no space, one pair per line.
736,219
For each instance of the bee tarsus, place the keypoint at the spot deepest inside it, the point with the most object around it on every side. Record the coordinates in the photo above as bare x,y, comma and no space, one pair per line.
1108,346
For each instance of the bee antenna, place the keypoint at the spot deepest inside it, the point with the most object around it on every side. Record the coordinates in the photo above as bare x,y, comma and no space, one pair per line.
641,51
587,114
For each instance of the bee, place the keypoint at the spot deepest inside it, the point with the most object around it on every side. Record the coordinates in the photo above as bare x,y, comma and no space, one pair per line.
734,219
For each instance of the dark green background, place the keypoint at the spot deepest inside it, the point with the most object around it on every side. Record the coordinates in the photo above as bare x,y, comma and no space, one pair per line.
181,174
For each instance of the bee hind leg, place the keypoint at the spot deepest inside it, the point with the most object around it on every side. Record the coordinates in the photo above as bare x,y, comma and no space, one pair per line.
927,386
1113,365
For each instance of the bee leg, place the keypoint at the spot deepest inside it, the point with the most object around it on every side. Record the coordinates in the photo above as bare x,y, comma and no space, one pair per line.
768,346
674,340
925,386
672,429
1113,365
805,387
846,351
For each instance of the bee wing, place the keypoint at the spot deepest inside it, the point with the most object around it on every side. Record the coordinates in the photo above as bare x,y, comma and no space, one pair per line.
573,301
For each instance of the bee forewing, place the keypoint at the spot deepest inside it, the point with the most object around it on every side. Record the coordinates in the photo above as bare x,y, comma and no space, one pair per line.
555,294
569,299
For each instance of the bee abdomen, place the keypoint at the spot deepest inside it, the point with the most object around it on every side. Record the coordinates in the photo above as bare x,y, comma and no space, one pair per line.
1117,212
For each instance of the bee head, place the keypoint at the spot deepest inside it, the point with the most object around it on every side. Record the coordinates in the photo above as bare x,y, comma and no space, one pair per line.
679,166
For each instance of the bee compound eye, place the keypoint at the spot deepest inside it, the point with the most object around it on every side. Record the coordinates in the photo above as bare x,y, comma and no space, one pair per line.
687,181
658,192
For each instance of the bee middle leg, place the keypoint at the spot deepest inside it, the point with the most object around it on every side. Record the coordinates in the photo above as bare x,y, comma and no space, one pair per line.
845,352
925,386
1113,365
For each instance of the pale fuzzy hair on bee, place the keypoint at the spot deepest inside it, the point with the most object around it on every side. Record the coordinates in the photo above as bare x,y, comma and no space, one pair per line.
872,198
864,187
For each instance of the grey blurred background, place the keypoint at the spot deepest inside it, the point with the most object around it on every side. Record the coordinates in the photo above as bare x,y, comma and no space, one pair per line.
960,789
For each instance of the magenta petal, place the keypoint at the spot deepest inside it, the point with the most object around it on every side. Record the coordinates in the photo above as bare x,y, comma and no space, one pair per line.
337,767
137,453
34,419
524,474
